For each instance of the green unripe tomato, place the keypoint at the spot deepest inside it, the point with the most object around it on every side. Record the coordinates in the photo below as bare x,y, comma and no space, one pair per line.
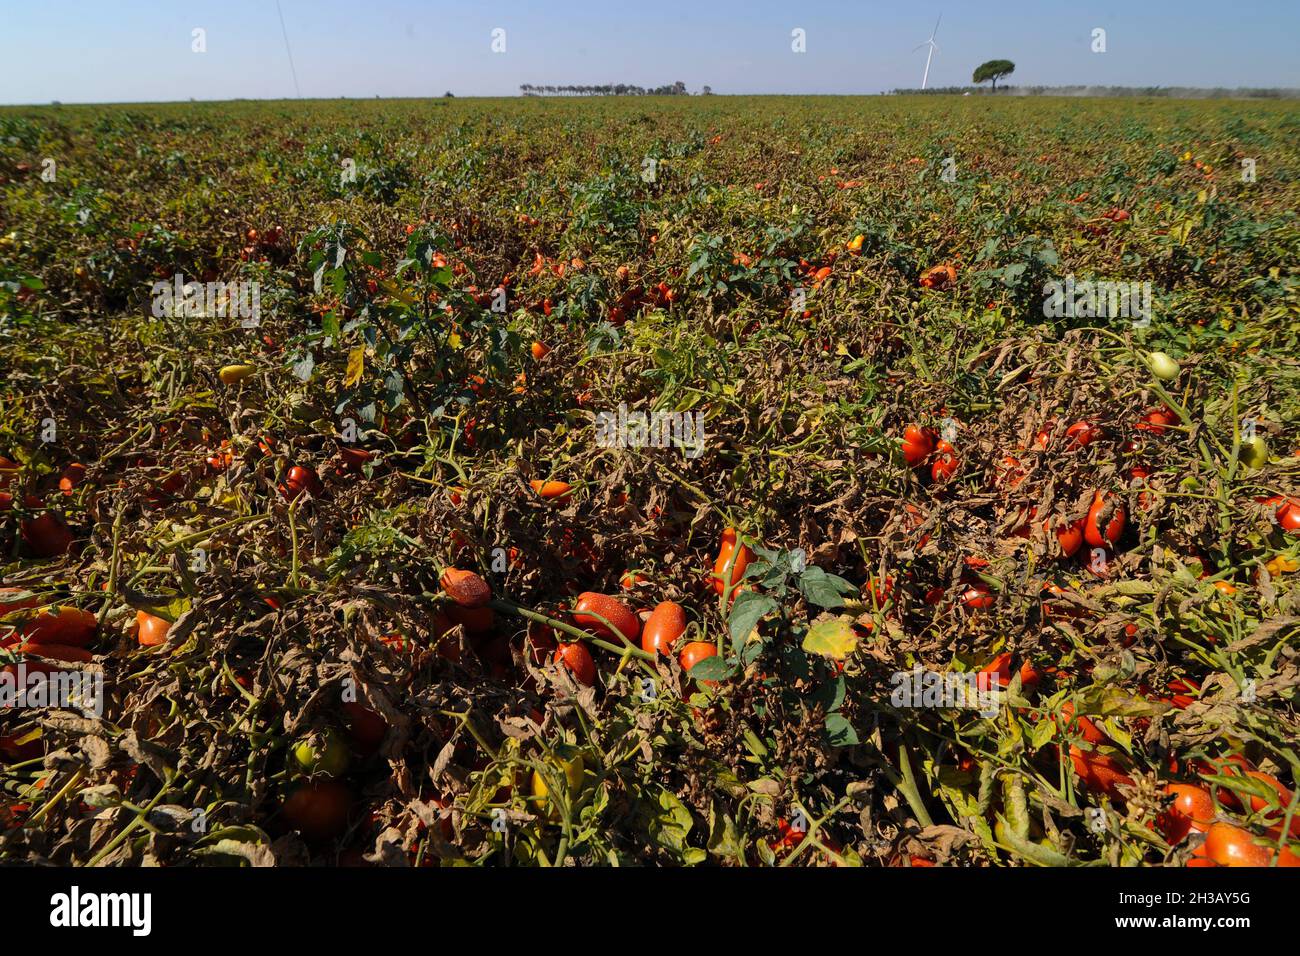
326,755
1254,453
1163,366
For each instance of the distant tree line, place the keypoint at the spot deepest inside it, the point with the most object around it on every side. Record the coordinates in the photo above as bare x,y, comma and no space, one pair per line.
1175,92
608,89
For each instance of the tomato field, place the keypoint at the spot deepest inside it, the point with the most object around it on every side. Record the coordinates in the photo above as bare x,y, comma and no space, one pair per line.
829,481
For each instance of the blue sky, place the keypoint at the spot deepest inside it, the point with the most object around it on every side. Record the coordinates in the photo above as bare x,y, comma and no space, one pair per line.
140,50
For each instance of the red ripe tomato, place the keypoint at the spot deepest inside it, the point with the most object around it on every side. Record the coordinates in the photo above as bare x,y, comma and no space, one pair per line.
1030,676
1010,474
1099,773
45,535
299,479
1043,439
72,476
151,630
1082,726
17,599
667,622
1105,522
945,463
1069,535
592,607
1229,845
354,459
1288,515
319,809
366,728
1262,805
575,656
1192,809
475,620
977,597
8,471
1082,434
998,669
918,443
727,547
1156,421
68,626
695,652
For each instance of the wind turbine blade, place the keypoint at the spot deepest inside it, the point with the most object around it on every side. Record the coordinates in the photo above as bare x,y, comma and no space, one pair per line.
920,46
936,26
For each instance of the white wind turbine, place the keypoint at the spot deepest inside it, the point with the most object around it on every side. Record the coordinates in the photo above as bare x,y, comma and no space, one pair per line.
929,56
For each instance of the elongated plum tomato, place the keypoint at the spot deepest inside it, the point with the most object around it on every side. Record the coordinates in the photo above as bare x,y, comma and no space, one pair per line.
234,374
918,443
551,489
318,809
1192,809
299,479
666,624
1229,845
575,656
45,535
591,607
695,652
69,626
1105,522
465,587
1273,810
726,549
151,630
17,599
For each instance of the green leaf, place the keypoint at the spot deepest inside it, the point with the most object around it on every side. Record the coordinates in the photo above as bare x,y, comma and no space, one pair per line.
749,609
839,731
711,668
822,589
831,637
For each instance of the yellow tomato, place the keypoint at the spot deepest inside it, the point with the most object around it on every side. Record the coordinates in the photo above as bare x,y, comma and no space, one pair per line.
233,374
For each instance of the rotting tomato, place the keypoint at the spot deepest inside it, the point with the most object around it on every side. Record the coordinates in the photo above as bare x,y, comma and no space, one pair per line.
466,588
